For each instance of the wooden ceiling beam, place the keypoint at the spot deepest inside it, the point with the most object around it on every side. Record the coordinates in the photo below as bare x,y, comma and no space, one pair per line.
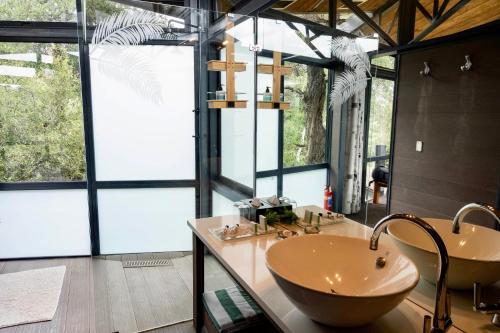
406,21
361,14
443,7
424,11
438,21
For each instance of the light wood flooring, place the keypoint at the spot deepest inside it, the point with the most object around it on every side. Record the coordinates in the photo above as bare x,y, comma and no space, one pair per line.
100,296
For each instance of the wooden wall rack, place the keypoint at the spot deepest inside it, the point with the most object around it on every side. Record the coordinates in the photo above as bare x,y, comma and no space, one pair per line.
230,67
277,70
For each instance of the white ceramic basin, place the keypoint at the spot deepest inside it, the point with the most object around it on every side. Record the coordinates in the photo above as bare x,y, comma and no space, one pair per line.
474,253
334,280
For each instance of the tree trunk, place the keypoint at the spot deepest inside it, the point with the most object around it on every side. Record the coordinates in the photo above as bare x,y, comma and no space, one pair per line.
314,102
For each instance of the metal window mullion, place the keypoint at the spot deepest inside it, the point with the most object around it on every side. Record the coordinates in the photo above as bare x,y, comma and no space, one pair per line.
84,59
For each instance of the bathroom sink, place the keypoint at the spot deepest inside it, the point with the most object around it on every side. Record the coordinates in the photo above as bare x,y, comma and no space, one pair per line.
336,281
474,253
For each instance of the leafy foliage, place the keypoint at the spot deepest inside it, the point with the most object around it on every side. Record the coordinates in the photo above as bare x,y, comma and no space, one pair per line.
272,217
41,123
350,53
351,80
129,28
347,84
35,10
288,216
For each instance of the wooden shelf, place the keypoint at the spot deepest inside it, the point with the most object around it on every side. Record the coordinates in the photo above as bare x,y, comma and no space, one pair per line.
222,104
221,66
268,69
273,105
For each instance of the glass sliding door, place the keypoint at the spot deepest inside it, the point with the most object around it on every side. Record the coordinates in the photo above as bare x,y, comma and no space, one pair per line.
144,146
379,131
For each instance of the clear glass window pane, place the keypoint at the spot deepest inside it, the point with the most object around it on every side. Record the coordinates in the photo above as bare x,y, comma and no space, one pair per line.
305,187
305,121
41,125
38,10
388,62
145,220
44,223
379,135
143,101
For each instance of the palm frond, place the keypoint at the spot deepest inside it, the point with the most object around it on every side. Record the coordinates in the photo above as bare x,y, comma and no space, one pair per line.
126,66
347,84
129,28
349,52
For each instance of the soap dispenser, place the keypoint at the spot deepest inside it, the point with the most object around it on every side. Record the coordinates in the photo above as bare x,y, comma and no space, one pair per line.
220,94
268,97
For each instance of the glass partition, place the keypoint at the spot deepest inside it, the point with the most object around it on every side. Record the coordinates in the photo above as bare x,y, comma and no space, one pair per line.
38,223
144,125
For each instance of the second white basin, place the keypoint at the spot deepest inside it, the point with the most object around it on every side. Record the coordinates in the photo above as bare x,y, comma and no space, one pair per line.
334,280
474,253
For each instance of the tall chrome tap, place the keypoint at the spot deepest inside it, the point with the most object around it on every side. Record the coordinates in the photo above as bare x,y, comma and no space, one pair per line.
475,206
493,309
442,308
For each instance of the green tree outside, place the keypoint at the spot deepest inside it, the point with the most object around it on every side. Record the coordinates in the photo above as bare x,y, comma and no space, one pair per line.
41,127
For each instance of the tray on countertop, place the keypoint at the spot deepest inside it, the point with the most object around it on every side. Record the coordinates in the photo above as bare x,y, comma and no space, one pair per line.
246,230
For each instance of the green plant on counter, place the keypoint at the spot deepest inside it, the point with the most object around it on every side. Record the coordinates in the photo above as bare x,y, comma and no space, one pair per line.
288,217
272,217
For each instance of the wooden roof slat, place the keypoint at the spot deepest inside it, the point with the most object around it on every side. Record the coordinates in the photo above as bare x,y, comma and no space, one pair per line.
473,14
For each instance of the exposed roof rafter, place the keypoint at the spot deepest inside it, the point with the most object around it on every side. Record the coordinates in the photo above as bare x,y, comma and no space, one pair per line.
439,20
424,11
361,14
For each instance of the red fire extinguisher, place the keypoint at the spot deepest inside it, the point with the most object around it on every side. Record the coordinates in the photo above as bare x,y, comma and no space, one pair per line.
328,199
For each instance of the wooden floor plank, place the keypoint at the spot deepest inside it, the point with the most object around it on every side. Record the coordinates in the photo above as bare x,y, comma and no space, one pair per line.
184,267
77,315
143,310
101,296
168,294
91,296
122,312
186,327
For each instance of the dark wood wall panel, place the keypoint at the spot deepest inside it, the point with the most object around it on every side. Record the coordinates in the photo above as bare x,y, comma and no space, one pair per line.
457,116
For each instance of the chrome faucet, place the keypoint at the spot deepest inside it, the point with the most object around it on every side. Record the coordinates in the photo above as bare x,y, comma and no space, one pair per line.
475,206
479,306
442,308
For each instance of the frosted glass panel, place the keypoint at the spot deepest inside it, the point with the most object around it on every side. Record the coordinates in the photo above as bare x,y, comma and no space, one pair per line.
222,205
142,98
267,187
44,223
237,124
267,140
267,125
305,187
145,220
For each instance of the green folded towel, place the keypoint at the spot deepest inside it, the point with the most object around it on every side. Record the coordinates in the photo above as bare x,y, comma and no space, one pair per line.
232,309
